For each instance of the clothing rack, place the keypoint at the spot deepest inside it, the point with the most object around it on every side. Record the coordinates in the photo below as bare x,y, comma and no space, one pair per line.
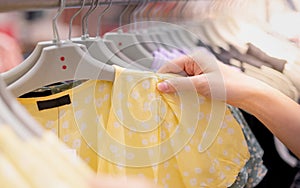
17,5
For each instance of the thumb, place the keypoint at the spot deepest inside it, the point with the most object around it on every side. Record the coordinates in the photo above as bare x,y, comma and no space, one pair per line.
193,83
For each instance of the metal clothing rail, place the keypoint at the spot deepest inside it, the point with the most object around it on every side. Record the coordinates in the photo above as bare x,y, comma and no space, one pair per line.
17,5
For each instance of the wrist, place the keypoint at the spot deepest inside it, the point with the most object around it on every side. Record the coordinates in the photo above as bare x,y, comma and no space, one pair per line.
254,95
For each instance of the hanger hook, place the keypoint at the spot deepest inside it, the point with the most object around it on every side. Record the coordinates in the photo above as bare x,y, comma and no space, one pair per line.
150,10
100,17
131,14
163,7
74,16
122,15
141,13
56,37
171,12
137,11
182,9
85,18
159,8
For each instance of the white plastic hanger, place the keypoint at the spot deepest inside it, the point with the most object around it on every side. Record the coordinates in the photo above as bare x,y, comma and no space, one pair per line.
184,35
164,34
204,37
96,46
178,35
158,34
9,117
19,119
213,36
141,33
131,64
172,31
115,50
146,34
112,58
128,44
14,74
175,31
64,61
167,35
225,30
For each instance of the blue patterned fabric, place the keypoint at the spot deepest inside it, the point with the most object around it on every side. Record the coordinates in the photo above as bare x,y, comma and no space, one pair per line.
254,170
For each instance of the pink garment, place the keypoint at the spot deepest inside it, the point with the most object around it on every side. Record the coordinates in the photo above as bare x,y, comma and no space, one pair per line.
10,53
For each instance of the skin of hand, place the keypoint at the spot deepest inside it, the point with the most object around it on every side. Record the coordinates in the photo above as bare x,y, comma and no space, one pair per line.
208,76
215,80
120,182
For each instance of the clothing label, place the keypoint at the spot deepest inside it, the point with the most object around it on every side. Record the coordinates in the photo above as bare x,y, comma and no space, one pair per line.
53,103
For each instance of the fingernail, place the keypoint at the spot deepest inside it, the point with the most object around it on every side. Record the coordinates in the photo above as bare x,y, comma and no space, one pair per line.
163,86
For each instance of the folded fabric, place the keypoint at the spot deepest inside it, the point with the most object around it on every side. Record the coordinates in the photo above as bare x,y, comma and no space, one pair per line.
254,171
129,128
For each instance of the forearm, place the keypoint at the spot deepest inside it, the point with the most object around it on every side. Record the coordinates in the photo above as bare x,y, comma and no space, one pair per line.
277,112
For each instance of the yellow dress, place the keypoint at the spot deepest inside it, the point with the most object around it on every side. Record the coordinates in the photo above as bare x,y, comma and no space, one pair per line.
129,128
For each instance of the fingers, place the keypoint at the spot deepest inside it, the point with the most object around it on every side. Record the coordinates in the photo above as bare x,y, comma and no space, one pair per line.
205,71
195,83
175,66
196,63
204,59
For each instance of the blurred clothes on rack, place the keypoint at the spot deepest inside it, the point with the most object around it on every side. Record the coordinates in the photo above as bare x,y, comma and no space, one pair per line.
10,52
296,181
275,63
280,174
259,67
10,49
286,25
254,171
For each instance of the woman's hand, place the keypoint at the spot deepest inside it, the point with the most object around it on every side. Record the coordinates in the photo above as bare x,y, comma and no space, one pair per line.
213,79
210,78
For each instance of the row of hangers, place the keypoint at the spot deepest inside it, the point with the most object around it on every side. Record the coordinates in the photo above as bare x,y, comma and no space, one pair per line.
91,58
